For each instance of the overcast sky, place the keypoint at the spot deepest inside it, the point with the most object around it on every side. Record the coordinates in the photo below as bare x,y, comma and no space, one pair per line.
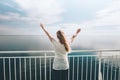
94,17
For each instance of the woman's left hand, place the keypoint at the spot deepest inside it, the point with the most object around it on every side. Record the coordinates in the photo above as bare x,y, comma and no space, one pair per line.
78,30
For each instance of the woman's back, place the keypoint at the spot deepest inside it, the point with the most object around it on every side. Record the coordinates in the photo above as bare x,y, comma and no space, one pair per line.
60,60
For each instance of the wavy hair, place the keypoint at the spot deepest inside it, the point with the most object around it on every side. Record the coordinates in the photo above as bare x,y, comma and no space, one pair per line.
63,40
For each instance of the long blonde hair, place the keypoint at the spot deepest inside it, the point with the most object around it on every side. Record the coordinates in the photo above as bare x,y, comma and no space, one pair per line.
62,39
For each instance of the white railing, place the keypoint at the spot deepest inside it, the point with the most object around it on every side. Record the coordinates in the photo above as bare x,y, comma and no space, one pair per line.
82,67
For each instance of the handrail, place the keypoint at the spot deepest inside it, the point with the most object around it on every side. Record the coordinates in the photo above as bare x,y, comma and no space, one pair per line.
93,64
51,51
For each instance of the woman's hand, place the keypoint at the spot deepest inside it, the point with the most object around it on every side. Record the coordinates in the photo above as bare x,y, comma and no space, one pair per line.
46,32
42,26
78,30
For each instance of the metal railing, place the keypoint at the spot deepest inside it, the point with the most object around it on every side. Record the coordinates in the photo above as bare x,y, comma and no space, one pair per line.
104,64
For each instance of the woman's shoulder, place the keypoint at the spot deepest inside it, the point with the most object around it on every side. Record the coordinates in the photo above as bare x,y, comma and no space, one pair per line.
54,41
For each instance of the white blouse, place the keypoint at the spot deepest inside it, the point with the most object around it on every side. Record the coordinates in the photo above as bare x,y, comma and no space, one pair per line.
61,56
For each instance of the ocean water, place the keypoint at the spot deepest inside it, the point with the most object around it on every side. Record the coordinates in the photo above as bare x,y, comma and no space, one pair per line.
41,42
29,42
23,42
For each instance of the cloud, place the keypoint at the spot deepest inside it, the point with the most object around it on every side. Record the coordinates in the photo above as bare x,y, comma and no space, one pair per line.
17,17
47,11
109,16
7,4
106,20
33,11
7,30
111,8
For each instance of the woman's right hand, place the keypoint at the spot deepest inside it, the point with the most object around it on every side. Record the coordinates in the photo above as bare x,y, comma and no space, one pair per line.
42,26
46,32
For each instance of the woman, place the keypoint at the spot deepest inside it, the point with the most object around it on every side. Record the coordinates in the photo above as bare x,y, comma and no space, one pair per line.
62,48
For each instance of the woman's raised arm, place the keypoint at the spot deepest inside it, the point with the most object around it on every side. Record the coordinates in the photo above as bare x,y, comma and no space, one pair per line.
75,35
46,32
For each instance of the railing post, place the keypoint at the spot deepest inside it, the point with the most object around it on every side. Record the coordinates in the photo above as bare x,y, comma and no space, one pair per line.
9,69
4,66
45,66
99,73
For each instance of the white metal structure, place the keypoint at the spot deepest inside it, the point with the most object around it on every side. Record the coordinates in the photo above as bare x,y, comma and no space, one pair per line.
104,65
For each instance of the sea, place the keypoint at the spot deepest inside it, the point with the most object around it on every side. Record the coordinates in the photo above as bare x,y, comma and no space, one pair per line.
31,43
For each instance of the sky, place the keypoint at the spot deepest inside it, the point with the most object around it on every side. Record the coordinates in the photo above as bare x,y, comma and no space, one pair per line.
98,20
94,17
